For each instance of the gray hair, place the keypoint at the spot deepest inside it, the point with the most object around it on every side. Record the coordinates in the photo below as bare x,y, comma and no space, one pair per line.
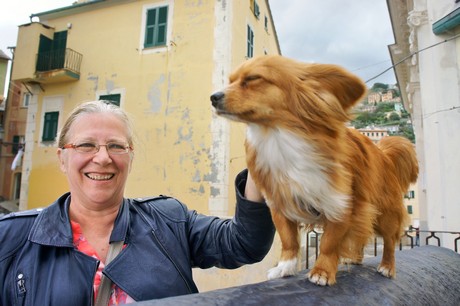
95,107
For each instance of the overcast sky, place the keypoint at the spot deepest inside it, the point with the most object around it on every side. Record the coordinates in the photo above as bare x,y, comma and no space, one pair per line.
354,34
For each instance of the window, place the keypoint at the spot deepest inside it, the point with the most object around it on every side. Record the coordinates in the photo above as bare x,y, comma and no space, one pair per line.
266,23
50,126
409,209
113,98
17,186
26,100
156,26
410,194
51,52
255,8
18,142
250,43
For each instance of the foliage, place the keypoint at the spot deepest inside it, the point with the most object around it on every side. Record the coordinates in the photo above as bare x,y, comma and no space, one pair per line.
394,116
384,114
379,87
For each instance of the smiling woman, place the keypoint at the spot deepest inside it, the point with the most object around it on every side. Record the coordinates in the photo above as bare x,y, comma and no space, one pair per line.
62,255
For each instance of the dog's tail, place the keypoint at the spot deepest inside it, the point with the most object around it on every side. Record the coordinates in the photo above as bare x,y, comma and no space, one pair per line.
401,153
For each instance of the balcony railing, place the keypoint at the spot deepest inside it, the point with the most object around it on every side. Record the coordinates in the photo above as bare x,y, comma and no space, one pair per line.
67,59
412,235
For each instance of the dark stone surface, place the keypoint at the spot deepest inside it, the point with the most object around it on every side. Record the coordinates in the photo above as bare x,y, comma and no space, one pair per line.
425,275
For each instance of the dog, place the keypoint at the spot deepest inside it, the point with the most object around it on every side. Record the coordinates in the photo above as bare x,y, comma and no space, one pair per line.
311,168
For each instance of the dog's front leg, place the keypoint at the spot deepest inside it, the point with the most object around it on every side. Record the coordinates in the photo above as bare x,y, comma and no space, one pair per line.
325,268
289,235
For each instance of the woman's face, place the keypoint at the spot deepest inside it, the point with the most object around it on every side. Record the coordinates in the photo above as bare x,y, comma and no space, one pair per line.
96,179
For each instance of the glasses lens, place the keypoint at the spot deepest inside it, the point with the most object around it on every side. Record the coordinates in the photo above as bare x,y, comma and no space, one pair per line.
86,147
117,148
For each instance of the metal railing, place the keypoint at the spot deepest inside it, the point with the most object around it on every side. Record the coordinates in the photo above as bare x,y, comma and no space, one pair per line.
59,59
410,234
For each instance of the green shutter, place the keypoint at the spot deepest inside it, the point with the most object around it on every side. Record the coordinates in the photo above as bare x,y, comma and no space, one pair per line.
250,43
156,27
113,98
44,51
162,26
50,126
58,53
409,209
15,147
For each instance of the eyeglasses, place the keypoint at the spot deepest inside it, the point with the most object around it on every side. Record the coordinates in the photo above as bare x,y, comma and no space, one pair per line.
92,147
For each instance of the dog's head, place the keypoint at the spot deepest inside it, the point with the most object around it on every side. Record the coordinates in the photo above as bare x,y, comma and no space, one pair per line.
268,90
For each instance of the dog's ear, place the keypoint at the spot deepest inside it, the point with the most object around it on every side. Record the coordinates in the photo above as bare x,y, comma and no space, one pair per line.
347,87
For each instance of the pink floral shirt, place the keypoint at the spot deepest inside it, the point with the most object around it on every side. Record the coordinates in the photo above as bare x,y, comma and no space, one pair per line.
119,297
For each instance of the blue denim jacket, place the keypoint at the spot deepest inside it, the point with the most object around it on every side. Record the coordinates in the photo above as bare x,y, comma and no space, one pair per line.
40,266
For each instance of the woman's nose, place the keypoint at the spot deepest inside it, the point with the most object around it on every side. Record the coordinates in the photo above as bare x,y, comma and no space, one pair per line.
102,156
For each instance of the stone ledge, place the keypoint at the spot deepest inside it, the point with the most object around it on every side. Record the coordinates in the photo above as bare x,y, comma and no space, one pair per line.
426,275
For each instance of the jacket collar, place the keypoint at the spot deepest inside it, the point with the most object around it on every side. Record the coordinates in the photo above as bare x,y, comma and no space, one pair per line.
52,226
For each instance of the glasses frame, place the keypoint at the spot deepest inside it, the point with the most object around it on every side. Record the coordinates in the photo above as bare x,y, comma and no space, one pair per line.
97,146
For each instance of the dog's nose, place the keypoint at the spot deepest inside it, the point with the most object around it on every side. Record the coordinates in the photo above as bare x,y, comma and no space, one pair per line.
217,98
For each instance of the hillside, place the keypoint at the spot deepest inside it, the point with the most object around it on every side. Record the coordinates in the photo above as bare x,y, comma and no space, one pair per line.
383,109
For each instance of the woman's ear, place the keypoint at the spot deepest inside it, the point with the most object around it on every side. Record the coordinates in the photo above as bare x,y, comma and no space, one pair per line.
61,156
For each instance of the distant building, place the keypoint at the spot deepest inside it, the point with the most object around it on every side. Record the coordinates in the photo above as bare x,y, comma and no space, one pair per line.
387,96
4,59
374,97
374,134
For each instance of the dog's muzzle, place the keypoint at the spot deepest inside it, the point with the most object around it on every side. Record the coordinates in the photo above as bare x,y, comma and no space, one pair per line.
217,99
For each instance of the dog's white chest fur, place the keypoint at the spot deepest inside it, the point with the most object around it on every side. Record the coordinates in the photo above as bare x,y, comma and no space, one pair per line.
293,163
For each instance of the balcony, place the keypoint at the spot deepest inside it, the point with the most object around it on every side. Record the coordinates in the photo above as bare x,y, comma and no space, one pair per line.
58,66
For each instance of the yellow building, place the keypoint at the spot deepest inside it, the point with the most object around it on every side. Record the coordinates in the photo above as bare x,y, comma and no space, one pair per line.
160,61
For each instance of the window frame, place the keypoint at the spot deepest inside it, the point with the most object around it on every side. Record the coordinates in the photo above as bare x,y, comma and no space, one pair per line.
249,42
168,32
50,104
108,96
117,91
53,129
156,27
26,99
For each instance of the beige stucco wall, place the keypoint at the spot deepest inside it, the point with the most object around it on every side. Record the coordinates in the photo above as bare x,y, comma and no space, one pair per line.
182,149
166,91
27,49
167,94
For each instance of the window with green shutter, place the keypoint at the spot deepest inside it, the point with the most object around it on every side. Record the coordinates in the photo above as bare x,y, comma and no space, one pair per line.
250,43
409,209
113,98
15,146
156,27
50,126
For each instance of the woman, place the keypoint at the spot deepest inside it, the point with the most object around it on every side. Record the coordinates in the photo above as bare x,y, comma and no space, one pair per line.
56,256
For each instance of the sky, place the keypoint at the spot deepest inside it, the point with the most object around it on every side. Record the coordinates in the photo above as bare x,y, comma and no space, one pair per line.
354,34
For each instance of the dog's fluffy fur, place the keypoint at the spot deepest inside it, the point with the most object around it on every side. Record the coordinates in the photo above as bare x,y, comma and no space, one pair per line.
311,168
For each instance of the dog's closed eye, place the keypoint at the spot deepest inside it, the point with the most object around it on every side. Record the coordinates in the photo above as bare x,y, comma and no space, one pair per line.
250,78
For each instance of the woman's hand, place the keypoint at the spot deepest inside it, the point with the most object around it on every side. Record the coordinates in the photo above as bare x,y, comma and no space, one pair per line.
251,192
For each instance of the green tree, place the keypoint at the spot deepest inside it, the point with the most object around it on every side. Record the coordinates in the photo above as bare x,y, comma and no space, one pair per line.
394,117
379,87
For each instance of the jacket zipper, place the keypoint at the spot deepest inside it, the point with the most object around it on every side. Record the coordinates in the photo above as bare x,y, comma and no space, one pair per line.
21,288
173,262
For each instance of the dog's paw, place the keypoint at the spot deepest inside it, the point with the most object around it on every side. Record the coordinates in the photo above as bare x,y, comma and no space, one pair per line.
320,277
284,268
386,271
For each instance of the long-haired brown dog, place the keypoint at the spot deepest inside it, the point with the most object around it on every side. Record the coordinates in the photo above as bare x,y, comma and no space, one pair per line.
311,168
